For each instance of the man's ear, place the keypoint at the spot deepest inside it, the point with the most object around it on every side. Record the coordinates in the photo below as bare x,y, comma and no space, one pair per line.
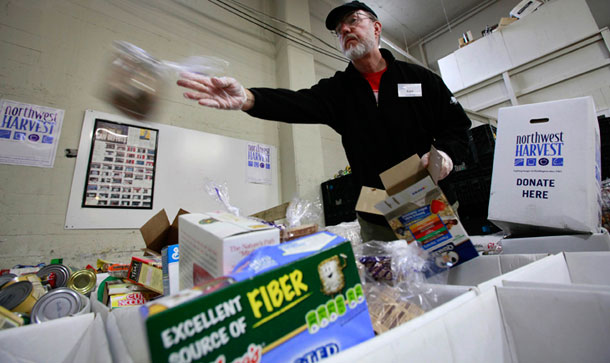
378,27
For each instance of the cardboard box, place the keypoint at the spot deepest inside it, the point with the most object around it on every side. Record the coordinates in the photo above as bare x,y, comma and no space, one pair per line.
302,311
170,258
546,170
504,22
212,244
158,232
417,209
147,273
572,314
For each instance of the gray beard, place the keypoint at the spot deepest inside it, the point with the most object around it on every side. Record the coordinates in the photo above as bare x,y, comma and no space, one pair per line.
356,52
365,45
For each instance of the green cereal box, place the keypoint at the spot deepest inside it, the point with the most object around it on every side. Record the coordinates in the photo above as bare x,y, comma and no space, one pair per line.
301,311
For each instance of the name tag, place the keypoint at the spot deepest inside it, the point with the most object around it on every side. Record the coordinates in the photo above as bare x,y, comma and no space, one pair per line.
409,90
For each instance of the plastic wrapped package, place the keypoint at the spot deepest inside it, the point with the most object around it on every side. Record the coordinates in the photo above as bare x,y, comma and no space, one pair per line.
606,204
136,79
301,218
397,280
220,193
347,230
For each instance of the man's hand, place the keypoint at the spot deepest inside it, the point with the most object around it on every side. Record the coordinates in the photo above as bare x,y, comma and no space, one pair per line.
224,93
446,164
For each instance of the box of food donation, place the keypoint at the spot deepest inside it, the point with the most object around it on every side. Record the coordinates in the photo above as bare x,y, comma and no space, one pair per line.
170,258
546,172
157,232
211,244
305,304
417,210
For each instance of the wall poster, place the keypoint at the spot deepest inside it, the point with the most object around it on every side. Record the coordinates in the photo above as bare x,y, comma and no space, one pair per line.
29,134
259,165
121,170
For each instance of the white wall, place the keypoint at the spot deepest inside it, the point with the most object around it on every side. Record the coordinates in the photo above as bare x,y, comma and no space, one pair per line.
447,42
55,53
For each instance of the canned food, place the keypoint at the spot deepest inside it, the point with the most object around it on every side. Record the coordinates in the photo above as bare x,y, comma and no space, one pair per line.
37,289
56,304
18,297
62,274
85,305
6,278
83,281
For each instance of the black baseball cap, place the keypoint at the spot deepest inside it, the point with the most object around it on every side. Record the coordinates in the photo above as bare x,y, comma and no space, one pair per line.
339,12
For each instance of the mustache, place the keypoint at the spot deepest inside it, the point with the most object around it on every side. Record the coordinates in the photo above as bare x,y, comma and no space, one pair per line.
349,37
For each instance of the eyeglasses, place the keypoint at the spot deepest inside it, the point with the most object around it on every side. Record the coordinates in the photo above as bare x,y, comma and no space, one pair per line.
351,21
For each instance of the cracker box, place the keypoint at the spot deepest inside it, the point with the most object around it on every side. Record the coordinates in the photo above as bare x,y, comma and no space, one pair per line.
417,210
304,306
147,273
211,244
546,171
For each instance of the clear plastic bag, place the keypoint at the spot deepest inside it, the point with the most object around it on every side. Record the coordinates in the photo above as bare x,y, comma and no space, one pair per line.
397,280
347,230
220,193
136,79
302,218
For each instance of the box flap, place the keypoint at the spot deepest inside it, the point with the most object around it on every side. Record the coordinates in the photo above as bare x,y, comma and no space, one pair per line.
435,164
172,236
155,231
368,198
410,171
402,175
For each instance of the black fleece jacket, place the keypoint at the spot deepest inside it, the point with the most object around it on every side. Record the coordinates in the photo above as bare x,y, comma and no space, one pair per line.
375,136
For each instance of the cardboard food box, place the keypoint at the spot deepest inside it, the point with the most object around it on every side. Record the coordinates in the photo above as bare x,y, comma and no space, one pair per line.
417,210
170,258
212,244
157,232
546,172
147,273
302,310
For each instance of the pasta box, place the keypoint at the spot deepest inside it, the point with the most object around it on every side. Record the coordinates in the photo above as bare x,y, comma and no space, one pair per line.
212,243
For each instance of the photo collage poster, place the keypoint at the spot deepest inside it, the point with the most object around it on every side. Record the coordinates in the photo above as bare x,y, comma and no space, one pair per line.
121,170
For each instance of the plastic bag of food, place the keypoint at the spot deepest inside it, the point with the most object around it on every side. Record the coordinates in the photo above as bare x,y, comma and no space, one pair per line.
136,79
347,230
302,218
397,280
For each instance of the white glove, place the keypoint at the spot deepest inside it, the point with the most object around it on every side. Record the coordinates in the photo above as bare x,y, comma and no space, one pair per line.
446,164
224,93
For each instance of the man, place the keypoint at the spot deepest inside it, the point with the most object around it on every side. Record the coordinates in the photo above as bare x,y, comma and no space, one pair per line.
385,110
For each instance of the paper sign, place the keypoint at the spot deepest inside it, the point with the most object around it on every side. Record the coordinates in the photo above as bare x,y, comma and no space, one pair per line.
258,167
29,134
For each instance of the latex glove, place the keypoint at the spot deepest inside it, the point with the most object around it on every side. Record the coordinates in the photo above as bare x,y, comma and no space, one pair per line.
224,93
446,164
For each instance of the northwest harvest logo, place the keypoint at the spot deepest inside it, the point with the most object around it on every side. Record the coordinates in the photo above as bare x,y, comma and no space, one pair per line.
539,149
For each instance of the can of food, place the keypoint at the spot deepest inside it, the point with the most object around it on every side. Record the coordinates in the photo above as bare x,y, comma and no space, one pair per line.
37,289
83,281
8,319
85,305
57,303
6,278
18,297
62,274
